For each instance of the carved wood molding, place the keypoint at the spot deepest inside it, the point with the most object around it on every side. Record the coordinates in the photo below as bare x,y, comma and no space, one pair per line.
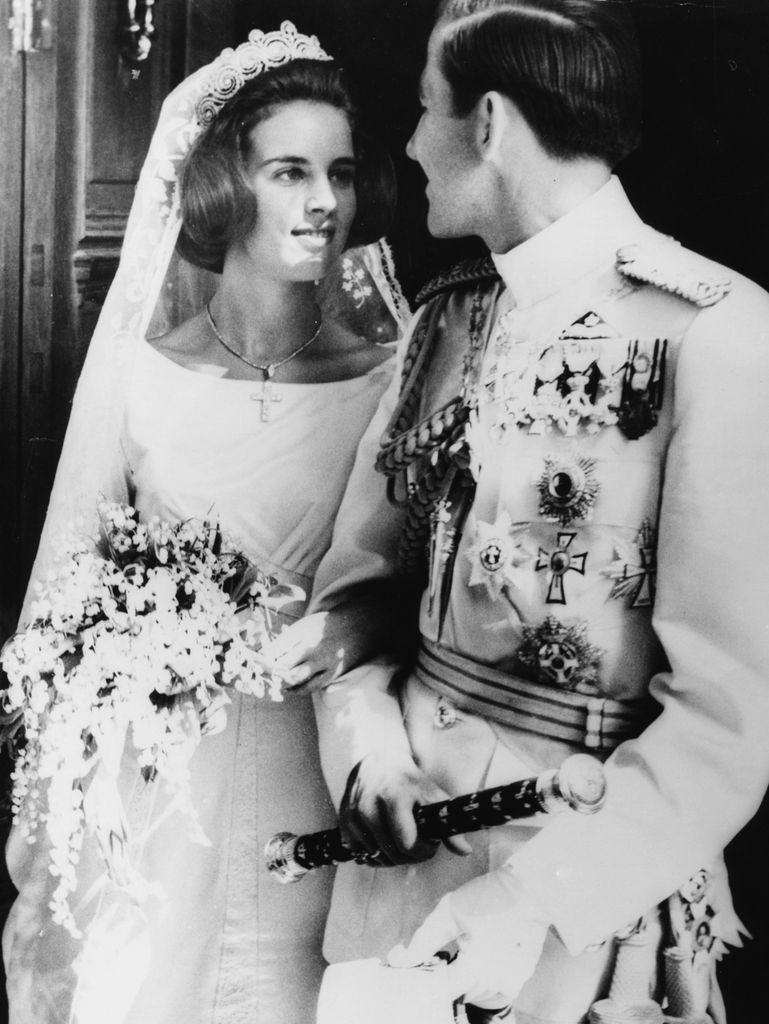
95,262
136,31
119,110
119,115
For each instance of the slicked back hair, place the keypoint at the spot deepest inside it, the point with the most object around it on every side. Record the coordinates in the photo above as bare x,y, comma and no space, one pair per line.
219,208
570,66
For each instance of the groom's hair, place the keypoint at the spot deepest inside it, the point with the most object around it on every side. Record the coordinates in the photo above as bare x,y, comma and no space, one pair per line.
571,67
218,207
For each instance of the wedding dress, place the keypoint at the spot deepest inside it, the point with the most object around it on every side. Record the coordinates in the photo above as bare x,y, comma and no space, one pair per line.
216,940
222,941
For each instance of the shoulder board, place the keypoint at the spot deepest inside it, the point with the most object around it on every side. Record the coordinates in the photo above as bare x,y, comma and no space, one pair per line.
466,272
674,269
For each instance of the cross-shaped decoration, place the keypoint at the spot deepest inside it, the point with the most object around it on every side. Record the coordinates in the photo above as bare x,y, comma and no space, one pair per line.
635,570
440,548
559,562
267,396
644,576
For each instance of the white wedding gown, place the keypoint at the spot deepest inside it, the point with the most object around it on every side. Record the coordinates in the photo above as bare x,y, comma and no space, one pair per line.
221,942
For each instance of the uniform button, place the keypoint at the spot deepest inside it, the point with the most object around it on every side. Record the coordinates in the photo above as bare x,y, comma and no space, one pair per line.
445,714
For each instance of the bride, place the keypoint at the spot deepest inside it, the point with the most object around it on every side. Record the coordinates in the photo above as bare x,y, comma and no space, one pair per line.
240,397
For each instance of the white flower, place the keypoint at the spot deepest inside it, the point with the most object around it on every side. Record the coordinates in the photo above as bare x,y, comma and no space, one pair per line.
133,635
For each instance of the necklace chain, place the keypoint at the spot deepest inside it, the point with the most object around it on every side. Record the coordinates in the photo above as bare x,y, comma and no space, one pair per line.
268,369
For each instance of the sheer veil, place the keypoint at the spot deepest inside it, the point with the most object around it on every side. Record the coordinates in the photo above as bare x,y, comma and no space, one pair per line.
154,290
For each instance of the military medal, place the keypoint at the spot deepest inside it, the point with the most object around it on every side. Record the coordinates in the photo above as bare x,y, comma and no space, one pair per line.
567,489
497,555
581,381
571,391
441,548
560,655
589,327
558,563
579,388
697,928
642,391
574,384
634,571
447,518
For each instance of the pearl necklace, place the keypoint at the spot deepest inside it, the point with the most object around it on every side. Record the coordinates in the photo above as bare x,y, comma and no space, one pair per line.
268,369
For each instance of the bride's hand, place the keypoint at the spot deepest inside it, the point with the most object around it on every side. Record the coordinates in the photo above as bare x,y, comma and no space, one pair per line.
318,649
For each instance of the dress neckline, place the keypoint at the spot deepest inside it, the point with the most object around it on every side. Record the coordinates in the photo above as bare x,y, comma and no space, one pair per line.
173,367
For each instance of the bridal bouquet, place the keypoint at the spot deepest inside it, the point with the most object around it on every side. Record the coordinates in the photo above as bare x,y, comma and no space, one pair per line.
139,637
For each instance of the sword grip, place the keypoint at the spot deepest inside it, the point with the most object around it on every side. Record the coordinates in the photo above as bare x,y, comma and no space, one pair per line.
579,784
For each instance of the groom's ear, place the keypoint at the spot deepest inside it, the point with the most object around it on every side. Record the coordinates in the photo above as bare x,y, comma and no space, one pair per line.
492,116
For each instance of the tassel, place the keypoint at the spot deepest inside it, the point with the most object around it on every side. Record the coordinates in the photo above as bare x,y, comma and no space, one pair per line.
610,1011
680,990
635,966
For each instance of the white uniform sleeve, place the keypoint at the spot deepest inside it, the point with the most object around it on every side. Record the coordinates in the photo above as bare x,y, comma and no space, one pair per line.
361,712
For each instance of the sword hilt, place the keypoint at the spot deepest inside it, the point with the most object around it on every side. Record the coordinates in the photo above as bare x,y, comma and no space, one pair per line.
579,784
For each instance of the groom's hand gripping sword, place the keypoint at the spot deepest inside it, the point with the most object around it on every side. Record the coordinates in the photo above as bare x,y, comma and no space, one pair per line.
579,783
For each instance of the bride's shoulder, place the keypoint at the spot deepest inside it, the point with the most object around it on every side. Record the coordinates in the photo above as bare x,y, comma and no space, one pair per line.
186,344
357,353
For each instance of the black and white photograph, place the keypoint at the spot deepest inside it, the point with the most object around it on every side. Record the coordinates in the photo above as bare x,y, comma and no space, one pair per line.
384,435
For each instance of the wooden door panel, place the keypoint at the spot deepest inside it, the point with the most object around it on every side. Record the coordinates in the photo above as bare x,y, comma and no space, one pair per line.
118,114
12,121
37,270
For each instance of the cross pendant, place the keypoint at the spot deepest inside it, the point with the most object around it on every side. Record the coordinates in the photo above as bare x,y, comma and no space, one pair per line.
267,396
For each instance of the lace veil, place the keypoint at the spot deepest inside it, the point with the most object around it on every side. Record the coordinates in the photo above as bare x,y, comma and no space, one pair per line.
155,289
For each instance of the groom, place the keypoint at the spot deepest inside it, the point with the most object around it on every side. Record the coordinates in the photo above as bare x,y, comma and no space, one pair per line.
556,449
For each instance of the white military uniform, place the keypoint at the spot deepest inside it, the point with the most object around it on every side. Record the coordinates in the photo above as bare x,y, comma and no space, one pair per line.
601,562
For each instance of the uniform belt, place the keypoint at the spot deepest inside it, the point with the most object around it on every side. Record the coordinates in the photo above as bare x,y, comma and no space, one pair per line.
597,723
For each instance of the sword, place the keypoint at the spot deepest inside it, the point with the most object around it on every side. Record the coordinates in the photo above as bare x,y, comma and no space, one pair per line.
579,783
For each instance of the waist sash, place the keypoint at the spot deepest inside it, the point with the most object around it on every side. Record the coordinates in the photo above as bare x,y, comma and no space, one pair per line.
597,723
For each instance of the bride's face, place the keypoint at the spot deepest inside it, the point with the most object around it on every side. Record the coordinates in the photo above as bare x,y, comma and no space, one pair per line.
302,171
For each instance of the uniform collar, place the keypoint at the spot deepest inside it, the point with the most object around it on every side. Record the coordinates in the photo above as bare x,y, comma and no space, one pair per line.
572,246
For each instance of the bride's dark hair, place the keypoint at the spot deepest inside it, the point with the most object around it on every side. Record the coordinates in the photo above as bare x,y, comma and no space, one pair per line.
217,205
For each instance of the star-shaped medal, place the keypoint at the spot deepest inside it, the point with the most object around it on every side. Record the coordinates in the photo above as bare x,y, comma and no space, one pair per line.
497,556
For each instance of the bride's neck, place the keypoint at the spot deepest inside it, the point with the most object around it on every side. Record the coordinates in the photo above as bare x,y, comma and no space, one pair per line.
265,319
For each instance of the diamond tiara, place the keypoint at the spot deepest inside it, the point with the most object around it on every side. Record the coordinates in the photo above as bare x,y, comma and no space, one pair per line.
261,52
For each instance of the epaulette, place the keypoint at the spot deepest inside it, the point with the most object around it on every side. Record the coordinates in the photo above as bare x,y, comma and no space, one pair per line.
674,269
466,272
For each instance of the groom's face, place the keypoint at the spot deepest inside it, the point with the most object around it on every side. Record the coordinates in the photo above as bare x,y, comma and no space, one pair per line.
443,145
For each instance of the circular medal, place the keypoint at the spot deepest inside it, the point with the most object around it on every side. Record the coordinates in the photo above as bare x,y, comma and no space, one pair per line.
567,489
